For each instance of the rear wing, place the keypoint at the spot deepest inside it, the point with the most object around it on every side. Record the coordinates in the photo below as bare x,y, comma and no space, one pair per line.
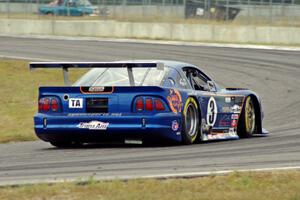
66,65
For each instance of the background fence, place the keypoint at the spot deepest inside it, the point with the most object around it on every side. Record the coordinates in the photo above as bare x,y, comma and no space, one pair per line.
283,12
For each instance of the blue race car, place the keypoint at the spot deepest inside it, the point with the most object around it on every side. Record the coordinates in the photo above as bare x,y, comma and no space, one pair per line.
137,101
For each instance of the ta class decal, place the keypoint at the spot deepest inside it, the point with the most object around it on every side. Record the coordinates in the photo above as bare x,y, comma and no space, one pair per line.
175,101
75,103
212,111
93,125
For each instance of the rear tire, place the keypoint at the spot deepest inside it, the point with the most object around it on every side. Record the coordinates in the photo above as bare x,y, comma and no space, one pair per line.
247,125
50,14
190,122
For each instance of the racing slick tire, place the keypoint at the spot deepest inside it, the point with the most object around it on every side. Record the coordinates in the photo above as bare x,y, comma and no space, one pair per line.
247,125
190,122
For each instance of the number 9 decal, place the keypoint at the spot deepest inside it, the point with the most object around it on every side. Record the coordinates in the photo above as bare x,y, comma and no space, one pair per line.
212,111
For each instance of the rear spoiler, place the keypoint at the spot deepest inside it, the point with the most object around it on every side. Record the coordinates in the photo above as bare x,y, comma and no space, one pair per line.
66,65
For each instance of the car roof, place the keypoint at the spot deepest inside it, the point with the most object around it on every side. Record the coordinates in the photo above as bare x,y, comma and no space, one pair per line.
169,63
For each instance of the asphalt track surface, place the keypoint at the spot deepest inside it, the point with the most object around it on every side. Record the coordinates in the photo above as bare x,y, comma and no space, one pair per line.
273,74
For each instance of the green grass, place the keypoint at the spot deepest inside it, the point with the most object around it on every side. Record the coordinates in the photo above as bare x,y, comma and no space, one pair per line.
19,91
243,186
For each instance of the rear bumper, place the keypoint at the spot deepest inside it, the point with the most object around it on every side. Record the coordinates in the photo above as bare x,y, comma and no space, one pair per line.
119,127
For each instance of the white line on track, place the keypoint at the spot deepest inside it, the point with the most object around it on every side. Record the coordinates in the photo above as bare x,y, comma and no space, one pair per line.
159,176
24,58
166,42
222,172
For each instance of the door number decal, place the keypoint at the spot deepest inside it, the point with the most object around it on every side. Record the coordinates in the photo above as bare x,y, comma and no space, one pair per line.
212,111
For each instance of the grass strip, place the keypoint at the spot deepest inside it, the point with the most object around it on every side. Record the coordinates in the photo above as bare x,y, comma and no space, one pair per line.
19,96
244,186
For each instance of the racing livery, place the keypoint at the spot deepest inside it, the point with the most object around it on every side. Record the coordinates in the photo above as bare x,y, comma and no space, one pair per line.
136,101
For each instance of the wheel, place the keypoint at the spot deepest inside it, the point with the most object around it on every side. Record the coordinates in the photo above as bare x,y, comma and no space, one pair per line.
65,144
191,124
50,14
247,124
85,14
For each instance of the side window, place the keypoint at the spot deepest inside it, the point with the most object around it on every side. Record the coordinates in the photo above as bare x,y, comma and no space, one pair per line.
174,79
196,78
71,3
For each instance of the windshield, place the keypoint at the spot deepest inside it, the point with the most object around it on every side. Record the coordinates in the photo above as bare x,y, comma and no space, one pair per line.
119,77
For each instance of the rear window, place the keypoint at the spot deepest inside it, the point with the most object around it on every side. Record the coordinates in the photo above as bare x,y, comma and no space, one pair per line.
119,77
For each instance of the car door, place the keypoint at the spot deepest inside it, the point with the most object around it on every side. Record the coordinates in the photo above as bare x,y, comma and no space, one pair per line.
208,96
67,8
76,8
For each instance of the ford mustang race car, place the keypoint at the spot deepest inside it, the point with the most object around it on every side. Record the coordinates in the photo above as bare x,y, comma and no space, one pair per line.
137,101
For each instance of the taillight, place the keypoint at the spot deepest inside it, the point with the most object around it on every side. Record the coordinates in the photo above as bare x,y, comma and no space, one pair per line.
149,104
159,106
139,104
41,104
48,104
54,105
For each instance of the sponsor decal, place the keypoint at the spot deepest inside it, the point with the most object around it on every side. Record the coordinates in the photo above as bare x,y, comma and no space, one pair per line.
218,131
96,89
175,101
235,116
227,99
95,114
221,135
93,125
175,125
234,123
178,133
205,128
216,136
225,120
235,109
232,132
116,114
226,109
75,103
133,141
182,82
212,111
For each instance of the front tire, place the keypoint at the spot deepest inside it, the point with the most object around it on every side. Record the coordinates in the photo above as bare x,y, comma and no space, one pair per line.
190,128
247,125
